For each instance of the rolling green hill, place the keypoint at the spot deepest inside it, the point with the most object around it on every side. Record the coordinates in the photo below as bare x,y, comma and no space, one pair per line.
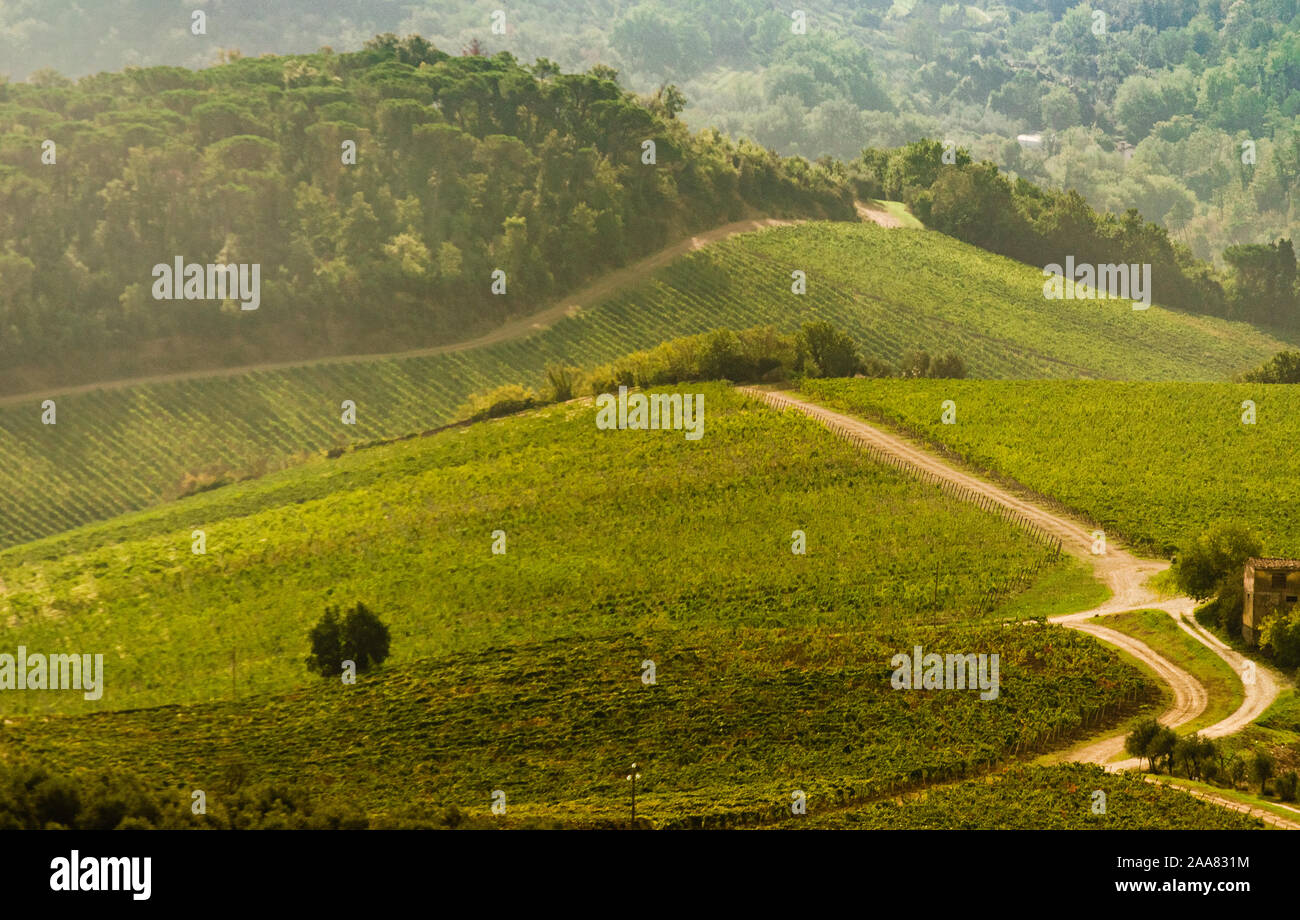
605,531
1152,462
394,197
121,449
522,671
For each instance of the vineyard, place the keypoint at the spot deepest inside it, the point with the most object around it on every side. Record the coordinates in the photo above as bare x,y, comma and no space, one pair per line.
737,719
605,531
1150,462
523,671
122,449
1047,798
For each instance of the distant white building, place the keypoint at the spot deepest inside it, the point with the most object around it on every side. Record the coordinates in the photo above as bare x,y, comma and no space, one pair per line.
1030,141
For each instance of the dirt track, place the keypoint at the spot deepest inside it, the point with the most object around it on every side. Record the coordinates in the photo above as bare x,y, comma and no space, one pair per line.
1122,572
884,218
512,329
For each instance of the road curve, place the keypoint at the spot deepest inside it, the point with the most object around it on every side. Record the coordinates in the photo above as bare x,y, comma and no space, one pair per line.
1125,574
515,328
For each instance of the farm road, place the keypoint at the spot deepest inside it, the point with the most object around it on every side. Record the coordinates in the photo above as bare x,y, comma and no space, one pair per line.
517,328
1126,576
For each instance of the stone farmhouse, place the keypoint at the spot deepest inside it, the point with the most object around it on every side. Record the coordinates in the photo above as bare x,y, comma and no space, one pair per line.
1272,586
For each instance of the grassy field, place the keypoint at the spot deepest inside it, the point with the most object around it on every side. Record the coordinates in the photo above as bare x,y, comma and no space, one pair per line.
118,450
1151,462
1159,631
1050,798
522,671
737,720
605,531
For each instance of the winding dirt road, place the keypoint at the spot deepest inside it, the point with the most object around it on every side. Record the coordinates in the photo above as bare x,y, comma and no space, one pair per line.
516,328
1125,574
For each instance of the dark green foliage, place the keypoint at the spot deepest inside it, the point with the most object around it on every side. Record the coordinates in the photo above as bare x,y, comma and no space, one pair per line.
502,401
358,636
1264,283
1279,636
831,352
1193,756
464,165
1151,741
1214,560
1262,766
35,797
976,203
948,365
1283,367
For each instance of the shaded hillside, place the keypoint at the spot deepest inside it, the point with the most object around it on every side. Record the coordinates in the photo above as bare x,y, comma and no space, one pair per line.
467,172
117,450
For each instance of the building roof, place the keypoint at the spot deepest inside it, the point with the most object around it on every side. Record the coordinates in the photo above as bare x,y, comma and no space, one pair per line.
1267,562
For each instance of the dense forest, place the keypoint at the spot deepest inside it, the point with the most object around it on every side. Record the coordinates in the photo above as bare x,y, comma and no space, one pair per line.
465,166
481,189
1148,107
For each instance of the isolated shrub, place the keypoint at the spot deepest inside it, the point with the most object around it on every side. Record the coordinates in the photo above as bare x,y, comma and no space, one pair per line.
504,400
1286,786
1261,769
949,365
562,381
357,636
1283,367
830,352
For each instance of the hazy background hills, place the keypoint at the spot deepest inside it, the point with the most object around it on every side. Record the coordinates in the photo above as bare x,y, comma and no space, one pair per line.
1184,82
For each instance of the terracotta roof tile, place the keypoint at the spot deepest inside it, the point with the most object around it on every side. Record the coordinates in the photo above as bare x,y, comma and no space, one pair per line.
1266,562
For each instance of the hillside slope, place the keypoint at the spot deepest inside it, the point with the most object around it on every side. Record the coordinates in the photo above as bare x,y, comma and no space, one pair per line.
1154,463
394,197
117,450
408,527
523,671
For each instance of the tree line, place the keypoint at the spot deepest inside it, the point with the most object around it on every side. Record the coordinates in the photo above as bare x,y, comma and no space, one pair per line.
977,203
1200,758
760,354
465,165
